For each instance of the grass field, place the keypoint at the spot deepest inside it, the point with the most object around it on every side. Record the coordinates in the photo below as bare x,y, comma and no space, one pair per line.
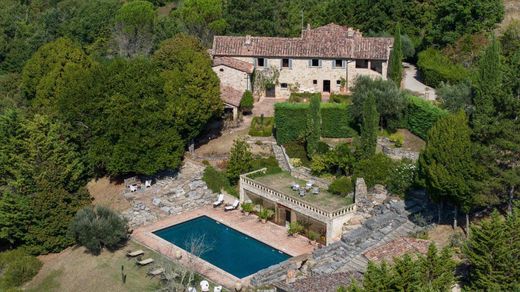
75,270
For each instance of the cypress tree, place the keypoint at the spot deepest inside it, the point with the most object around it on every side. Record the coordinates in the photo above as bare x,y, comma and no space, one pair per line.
395,64
313,126
488,88
447,163
370,121
240,159
493,253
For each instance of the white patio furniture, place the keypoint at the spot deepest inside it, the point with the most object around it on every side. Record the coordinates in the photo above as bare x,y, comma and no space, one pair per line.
147,183
135,253
204,286
219,201
156,272
217,289
309,184
315,190
145,262
192,289
302,193
295,187
133,188
232,206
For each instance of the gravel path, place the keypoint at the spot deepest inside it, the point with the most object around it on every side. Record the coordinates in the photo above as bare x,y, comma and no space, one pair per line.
412,82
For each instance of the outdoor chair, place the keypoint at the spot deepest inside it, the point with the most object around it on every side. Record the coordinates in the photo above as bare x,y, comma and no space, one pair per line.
219,201
133,254
302,193
295,187
147,183
156,272
144,262
315,190
204,286
133,188
233,206
217,289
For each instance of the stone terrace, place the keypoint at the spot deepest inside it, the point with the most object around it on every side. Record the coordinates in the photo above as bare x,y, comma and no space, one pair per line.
281,182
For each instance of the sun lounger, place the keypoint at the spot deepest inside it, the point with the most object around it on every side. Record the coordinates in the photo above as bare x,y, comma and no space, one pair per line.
233,206
219,201
156,272
134,253
145,262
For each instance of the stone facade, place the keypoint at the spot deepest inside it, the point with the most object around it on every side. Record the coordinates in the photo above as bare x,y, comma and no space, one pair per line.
318,61
232,77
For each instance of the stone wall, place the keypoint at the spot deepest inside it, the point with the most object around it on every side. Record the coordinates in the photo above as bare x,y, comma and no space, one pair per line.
396,153
231,77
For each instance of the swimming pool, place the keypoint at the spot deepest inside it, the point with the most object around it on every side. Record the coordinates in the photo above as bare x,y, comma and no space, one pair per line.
229,249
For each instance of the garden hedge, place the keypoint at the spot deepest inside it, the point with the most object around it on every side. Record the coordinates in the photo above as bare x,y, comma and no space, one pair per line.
436,68
290,121
336,120
420,115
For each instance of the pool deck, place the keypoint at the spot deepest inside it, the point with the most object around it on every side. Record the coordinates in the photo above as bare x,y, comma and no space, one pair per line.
269,233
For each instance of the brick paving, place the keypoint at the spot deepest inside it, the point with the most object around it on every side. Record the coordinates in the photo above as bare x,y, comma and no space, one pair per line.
269,233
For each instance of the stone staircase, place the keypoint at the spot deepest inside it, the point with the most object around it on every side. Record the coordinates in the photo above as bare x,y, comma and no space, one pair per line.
280,157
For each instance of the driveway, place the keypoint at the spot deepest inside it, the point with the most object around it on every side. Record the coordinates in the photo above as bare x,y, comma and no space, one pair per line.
412,82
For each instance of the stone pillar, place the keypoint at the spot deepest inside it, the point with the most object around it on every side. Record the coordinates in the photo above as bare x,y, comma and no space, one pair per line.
384,69
361,189
235,113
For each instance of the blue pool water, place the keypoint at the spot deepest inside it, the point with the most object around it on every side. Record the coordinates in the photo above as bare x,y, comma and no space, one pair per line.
229,249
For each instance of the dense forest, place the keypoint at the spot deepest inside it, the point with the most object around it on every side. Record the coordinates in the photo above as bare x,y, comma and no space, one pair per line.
109,87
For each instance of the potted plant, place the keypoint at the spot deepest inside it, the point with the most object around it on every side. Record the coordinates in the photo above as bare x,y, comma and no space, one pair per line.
265,214
313,237
247,208
294,228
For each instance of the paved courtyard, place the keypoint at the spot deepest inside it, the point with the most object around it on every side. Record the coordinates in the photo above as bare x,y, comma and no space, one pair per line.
269,233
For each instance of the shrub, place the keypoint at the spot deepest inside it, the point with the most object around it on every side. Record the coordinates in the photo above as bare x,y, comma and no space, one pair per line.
297,97
421,115
402,177
261,126
375,170
247,101
265,213
313,235
322,148
266,162
436,68
397,139
340,98
217,181
16,268
341,186
297,150
296,162
98,227
248,207
336,121
295,228
290,121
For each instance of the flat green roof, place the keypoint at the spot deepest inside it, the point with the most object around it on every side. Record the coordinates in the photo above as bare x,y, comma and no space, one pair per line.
282,182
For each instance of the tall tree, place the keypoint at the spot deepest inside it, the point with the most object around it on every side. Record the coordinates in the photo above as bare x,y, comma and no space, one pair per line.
395,64
493,253
447,164
488,89
240,159
192,88
313,126
390,101
201,18
133,32
368,140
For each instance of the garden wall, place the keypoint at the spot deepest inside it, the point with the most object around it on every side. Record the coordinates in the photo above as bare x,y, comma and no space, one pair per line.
291,121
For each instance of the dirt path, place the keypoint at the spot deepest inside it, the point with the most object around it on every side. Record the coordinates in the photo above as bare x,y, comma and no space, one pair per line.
108,193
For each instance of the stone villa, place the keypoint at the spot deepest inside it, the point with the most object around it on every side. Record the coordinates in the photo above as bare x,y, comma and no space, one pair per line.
324,59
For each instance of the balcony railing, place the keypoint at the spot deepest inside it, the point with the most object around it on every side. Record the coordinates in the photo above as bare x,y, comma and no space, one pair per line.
269,193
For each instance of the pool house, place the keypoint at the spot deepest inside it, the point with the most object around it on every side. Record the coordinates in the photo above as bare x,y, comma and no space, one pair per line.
294,199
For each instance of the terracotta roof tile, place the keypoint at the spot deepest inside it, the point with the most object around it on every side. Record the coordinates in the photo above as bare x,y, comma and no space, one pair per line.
329,41
230,95
234,63
396,248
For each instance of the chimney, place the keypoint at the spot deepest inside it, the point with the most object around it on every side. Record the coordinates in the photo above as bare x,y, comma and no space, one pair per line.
248,40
